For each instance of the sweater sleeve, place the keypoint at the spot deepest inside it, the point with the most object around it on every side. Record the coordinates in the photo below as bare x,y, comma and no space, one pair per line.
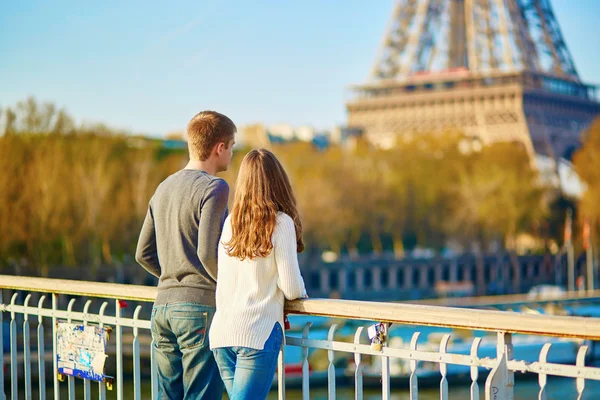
212,215
286,258
146,253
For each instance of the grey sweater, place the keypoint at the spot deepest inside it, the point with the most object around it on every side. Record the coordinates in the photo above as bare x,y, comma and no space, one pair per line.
180,236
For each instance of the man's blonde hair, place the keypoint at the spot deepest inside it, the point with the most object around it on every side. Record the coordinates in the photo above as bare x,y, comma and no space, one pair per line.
207,129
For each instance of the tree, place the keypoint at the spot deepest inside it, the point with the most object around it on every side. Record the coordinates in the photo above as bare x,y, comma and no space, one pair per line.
587,165
9,121
497,195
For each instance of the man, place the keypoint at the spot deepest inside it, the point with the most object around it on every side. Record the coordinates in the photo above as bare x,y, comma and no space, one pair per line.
178,244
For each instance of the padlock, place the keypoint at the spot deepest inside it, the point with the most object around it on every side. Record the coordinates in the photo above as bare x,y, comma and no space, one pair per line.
376,345
286,322
373,331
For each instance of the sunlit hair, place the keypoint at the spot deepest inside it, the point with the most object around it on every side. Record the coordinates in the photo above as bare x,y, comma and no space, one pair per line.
207,129
261,190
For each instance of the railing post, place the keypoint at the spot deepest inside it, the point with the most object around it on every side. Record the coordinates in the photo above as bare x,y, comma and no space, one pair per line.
102,385
26,350
14,375
87,392
281,373
41,352
119,355
385,367
54,355
505,344
444,368
137,395
358,373
501,381
331,369
305,365
580,362
2,393
542,377
414,381
71,379
475,369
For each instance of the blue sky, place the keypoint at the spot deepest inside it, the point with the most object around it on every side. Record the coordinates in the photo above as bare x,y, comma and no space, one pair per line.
148,67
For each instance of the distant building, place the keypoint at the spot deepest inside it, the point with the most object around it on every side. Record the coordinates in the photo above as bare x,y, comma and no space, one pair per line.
523,86
260,135
305,133
283,131
253,135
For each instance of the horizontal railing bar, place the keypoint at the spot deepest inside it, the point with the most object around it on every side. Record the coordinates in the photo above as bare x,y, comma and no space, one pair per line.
487,320
79,288
78,316
507,299
450,317
564,370
407,354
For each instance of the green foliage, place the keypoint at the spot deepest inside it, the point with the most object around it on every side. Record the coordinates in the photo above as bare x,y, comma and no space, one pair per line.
78,195
587,165
423,193
73,195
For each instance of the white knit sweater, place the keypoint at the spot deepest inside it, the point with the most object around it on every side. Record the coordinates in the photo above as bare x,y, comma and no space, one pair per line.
250,293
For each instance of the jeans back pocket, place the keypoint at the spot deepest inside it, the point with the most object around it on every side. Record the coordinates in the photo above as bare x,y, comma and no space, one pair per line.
190,327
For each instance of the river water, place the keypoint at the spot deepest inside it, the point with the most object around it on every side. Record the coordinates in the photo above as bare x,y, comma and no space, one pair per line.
556,389
526,387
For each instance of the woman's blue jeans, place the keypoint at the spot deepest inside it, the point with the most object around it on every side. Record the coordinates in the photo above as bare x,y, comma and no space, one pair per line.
248,373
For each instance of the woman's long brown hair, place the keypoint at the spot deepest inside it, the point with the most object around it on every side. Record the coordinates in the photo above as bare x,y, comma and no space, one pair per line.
262,189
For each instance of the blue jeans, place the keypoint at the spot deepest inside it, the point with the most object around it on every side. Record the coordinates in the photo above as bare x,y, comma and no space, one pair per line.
248,373
186,366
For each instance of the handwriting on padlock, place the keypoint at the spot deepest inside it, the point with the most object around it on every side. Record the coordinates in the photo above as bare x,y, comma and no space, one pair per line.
375,330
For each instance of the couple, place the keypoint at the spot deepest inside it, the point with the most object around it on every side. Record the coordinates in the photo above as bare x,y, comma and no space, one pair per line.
222,279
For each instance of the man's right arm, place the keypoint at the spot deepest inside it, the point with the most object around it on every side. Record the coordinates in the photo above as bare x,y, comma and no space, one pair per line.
146,253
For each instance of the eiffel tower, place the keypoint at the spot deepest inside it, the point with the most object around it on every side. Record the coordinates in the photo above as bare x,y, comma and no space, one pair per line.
498,70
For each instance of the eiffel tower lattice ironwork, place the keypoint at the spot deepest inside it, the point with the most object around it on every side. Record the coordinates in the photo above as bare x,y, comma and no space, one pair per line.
499,70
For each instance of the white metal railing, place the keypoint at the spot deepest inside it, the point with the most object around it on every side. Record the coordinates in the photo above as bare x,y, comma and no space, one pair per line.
54,290
410,359
500,381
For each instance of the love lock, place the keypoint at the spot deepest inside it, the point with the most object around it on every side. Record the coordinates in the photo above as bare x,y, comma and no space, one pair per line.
110,381
375,345
377,335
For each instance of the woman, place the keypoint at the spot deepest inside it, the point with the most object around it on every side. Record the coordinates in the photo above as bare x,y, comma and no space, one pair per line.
258,267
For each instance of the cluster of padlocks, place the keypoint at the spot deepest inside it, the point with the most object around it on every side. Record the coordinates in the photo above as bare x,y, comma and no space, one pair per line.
378,335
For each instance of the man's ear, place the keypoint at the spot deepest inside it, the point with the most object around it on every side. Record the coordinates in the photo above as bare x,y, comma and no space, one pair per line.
220,147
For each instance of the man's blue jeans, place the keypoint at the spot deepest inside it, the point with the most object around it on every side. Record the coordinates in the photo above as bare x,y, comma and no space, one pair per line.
248,373
186,366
